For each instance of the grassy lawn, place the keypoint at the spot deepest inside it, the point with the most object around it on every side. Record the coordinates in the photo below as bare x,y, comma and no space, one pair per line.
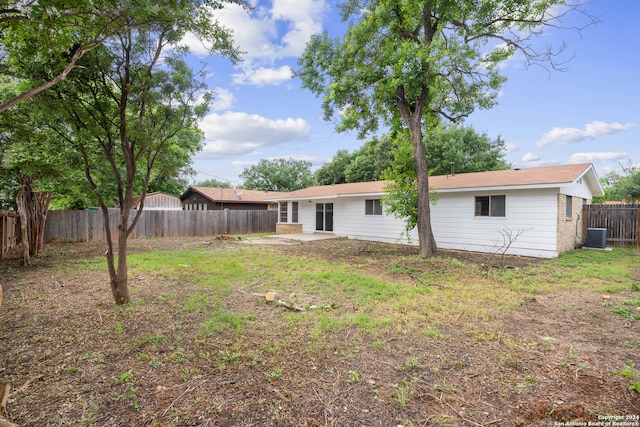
376,336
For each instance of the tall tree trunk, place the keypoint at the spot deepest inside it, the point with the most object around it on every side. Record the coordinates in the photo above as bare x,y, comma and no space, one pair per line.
119,274
41,209
426,240
23,201
412,116
32,209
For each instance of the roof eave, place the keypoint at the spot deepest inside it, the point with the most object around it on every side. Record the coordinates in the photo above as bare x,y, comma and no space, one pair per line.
328,196
502,187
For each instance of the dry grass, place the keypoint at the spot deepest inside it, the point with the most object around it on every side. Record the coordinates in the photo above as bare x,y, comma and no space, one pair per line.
404,340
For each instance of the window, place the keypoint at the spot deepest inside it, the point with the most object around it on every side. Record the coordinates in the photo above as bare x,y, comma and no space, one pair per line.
372,207
490,206
568,206
294,212
283,211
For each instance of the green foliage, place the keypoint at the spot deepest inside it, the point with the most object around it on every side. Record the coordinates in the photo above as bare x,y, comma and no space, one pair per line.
401,198
364,164
629,371
43,41
273,375
629,313
470,151
214,183
624,187
411,363
334,171
168,184
278,175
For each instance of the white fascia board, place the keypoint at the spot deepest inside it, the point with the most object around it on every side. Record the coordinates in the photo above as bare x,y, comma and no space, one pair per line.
502,188
593,182
330,196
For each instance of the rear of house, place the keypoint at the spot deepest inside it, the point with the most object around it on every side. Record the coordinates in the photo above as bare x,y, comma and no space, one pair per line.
537,211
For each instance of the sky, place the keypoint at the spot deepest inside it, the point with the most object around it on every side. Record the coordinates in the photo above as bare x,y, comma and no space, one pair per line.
589,113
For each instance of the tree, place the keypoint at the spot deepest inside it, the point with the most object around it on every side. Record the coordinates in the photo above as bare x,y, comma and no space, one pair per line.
132,111
34,167
278,175
334,171
66,31
467,149
365,164
370,160
411,63
57,34
624,187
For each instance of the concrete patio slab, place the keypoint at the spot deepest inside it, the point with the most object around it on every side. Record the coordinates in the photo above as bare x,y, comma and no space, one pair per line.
305,237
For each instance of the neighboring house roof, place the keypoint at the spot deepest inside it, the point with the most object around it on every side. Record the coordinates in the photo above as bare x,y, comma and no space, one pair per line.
542,177
158,200
235,195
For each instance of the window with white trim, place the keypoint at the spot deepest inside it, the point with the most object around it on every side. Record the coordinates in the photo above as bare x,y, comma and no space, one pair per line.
490,206
294,212
283,211
372,207
569,206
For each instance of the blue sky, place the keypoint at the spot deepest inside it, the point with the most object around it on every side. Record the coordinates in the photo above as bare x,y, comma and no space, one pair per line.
589,113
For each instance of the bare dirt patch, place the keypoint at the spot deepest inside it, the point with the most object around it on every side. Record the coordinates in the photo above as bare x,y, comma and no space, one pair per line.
74,358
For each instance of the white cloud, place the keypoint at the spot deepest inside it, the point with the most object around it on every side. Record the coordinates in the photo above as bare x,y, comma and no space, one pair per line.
263,76
222,99
510,147
593,157
233,133
244,164
531,160
258,33
595,129
267,34
304,18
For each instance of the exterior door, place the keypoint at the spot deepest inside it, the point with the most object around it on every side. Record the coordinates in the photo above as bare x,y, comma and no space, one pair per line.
324,216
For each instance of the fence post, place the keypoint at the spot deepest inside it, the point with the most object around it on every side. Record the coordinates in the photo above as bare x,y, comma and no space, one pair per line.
638,228
585,222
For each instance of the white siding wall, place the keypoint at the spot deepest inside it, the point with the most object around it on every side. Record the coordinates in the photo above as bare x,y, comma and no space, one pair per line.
350,221
307,215
534,211
453,222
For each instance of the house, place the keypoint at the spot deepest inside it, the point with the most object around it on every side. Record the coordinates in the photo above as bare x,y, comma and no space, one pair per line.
538,210
158,201
213,198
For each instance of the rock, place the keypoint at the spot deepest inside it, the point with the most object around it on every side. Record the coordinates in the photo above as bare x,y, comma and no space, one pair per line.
271,296
606,297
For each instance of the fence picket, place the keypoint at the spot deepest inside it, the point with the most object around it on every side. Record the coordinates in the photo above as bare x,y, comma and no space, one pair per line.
621,221
89,225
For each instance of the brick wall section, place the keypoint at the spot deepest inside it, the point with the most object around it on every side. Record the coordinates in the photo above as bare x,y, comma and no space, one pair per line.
282,228
569,229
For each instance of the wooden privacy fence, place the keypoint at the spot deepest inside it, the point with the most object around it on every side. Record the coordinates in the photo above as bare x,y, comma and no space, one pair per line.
8,231
621,221
88,225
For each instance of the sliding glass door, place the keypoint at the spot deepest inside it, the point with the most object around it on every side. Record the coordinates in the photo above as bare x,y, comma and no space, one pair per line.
324,216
